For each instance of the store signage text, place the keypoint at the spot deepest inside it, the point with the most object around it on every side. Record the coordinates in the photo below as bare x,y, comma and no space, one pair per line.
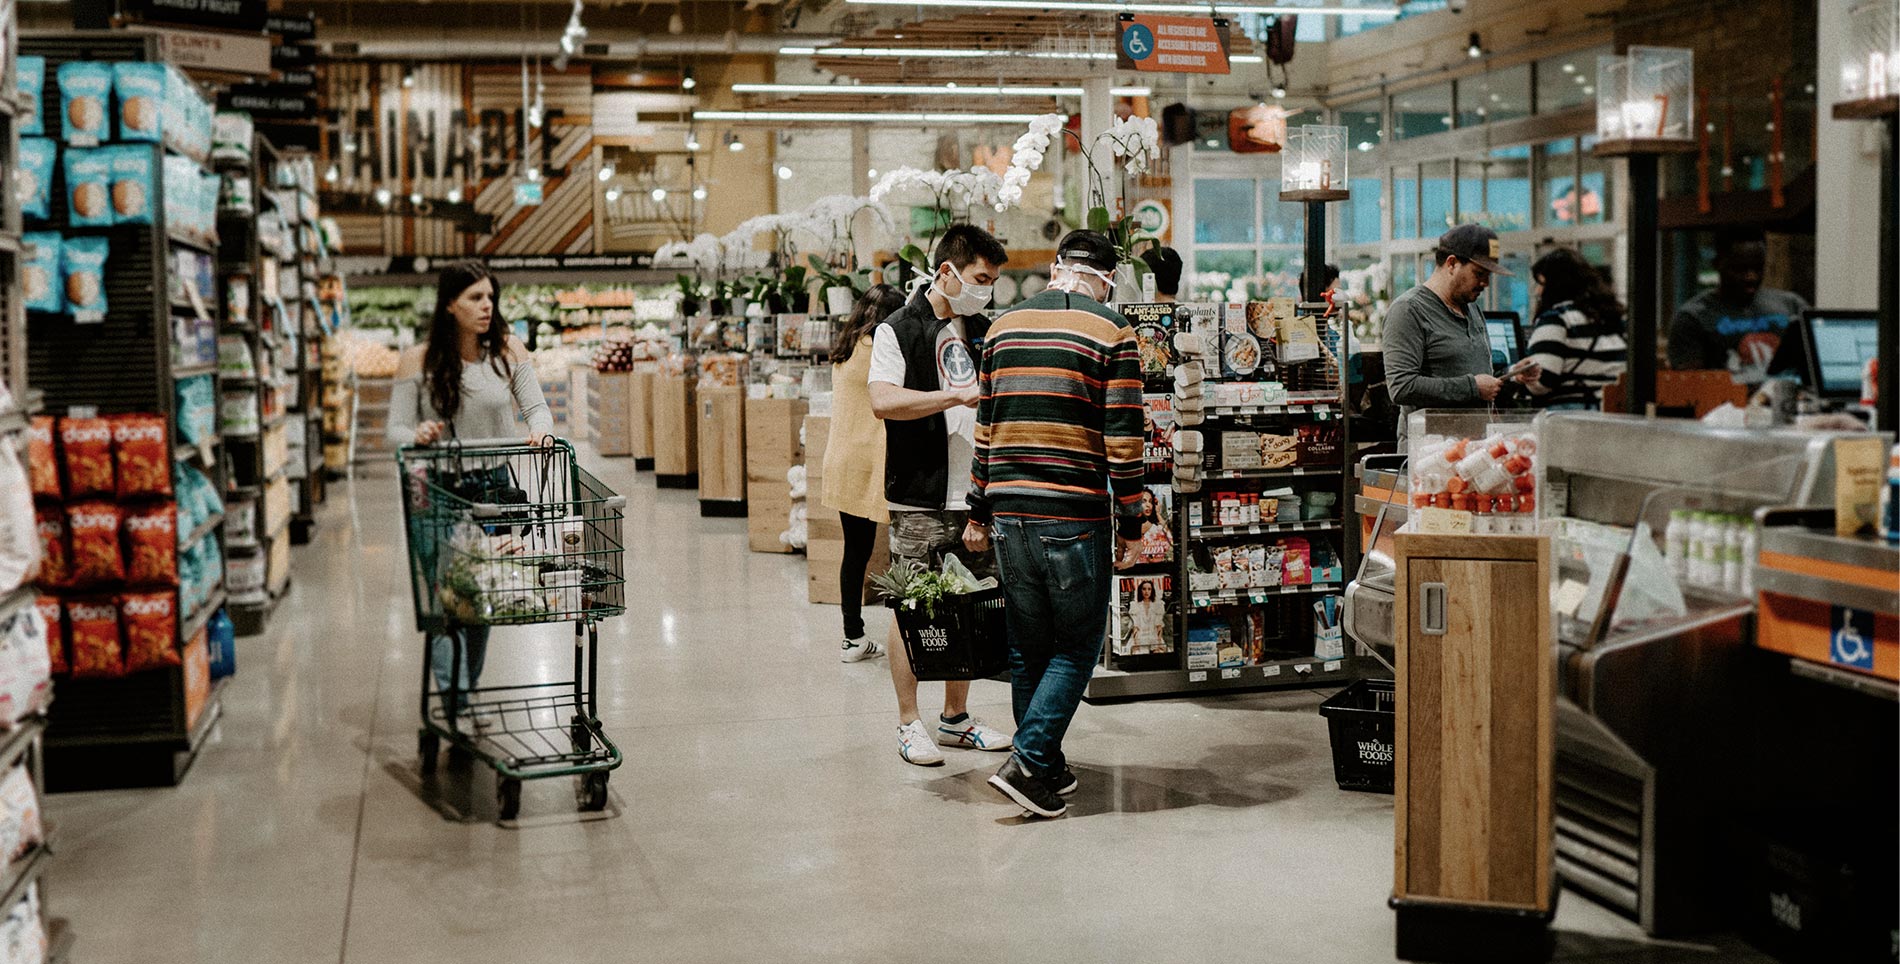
292,28
229,53
439,148
244,15
269,100
292,55
1176,45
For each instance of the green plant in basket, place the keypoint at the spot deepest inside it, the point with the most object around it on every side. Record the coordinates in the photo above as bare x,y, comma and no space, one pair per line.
911,585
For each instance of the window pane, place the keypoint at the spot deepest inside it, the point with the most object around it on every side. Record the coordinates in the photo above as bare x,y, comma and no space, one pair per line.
1567,80
1435,197
1596,185
1216,272
1507,188
1359,218
1223,211
1405,203
1404,273
1498,96
1513,293
1417,113
1556,162
1365,128
1471,204
1281,267
1285,221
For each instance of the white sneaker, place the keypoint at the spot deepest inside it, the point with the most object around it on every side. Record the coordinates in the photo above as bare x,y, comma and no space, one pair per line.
856,650
913,744
973,734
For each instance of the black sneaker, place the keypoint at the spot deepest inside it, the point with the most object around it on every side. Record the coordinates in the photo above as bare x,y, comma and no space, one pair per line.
1064,781
1027,790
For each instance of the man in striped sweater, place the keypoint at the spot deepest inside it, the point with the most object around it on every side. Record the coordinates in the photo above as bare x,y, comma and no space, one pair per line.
1056,485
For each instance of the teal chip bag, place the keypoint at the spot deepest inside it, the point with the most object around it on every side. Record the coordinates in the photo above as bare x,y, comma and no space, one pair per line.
38,157
132,183
89,187
30,81
85,94
39,272
141,90
82,266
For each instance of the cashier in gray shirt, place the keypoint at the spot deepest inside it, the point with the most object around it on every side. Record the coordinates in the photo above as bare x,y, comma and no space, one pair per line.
1437,353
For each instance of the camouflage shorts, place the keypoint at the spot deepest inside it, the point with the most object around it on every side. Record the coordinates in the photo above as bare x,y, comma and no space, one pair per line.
923,538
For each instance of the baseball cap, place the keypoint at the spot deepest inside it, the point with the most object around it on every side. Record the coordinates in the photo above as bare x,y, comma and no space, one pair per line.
1091,248
1474,243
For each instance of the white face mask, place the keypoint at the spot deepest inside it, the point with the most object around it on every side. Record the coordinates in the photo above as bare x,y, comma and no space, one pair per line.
968,301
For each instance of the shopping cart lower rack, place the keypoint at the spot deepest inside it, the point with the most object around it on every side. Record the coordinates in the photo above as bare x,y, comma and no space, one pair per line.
503,533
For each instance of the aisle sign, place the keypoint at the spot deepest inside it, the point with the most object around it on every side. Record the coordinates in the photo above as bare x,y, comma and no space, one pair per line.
245,16
203,50
1176,45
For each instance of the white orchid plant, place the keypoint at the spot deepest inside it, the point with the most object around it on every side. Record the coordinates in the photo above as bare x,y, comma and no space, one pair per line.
1135,140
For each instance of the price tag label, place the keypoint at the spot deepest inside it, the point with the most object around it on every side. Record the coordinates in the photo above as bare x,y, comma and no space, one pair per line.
1230,673
1304,669
1198,676
1272,671
1333,665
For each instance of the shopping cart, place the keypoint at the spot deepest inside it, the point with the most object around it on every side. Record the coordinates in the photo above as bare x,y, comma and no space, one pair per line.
503,533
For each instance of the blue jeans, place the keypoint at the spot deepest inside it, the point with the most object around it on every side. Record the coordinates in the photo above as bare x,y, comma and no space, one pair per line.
474,654
1056,575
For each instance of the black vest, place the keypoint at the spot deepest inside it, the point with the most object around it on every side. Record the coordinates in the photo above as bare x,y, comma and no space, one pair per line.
916,472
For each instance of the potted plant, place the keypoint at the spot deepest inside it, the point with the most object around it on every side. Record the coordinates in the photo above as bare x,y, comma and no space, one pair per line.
794,289
842,288
691,295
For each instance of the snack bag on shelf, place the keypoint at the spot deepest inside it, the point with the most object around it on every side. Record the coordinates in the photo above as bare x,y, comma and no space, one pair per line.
151,541
38,157
88,188
1296,562
42,460
26,671
40,275
82,265
29,79
94,529
94,625
85,92
151,630
132,184
141,89
139,452
86,444
231,136
52,613
56,565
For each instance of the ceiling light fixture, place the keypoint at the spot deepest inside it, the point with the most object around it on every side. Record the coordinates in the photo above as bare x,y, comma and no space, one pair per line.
686,80
951,89
455,195
858,117
1187,8
613,194
333,174
784,173
1279,91
692,141
699,194
675,25
384,196
415,199
408,77
607,171
733,143
658,195
1473,47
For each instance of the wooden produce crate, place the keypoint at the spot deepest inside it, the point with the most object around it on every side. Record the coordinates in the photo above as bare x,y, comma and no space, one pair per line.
640,413
675,432
722,451
772,427
612,400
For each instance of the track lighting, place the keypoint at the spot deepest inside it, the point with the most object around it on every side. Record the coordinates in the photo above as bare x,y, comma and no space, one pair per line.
659,195
607,171
1474,48
699,194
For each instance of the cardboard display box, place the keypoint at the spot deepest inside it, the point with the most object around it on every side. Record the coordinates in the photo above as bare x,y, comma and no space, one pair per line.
613,416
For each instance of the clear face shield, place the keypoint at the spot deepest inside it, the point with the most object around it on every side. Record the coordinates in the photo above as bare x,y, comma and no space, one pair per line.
1078,278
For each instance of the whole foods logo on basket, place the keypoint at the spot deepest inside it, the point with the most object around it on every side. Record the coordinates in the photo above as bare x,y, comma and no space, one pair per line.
934,639
1375,751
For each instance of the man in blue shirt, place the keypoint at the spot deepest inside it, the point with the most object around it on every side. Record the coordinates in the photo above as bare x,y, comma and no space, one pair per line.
1738,325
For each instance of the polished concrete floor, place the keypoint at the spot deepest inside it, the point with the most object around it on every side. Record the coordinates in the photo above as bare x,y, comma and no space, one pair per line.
762,813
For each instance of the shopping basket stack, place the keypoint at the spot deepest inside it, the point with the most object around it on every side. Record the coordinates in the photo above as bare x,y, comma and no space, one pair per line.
503,533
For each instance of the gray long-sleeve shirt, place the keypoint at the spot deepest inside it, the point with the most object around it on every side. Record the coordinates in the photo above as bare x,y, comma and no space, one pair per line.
1432,354
492,408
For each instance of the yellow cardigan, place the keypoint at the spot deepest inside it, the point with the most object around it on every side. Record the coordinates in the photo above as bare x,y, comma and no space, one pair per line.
854,452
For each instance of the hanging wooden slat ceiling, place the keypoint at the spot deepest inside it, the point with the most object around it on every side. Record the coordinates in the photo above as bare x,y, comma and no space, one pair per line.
1014,35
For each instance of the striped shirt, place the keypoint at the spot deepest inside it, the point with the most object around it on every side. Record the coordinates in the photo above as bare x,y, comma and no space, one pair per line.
1059,427
1579,357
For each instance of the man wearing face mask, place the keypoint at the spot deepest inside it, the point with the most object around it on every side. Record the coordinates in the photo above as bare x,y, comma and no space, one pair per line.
1056,485
1437,352
923,385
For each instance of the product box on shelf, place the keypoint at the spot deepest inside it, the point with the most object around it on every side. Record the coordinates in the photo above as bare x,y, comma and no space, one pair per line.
1474,471
1204,643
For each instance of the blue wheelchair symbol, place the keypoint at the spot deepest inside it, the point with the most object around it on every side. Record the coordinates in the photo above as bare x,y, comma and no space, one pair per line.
1138,42
1852,640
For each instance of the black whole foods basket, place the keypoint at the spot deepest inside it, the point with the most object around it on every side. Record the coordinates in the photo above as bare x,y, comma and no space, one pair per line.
967,637
1361,719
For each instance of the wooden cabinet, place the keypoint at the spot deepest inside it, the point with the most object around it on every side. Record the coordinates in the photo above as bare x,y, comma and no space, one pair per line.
640,413
1474,728
675,431
722,450
772,447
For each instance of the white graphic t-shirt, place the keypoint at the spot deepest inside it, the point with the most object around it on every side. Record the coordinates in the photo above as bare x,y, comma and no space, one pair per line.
956,369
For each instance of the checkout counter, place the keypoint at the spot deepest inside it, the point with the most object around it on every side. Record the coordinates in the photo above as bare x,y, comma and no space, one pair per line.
1711,746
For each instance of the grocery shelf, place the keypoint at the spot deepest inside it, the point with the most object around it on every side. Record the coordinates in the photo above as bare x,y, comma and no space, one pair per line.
1223,597
1263,528
21,873
20,739
1108,684
1285,408
202,616
14,420
195,370
203,530
1294,472
192,243
1846,679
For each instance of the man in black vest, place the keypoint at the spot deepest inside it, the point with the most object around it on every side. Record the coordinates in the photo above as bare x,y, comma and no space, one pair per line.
924,386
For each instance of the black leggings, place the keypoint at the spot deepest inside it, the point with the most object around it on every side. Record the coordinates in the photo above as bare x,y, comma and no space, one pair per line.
860,538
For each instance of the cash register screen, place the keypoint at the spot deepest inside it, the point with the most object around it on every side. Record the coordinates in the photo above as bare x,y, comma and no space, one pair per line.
1507,345
1839,346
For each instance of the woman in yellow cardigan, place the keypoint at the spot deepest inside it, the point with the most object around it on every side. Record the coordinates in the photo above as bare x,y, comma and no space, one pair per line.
854,462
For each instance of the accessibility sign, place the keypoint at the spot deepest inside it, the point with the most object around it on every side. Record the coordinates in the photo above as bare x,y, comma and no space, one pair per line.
1178,45
1851,637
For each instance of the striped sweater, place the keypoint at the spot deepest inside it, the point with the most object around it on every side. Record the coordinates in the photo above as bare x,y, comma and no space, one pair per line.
1059,425
1579,356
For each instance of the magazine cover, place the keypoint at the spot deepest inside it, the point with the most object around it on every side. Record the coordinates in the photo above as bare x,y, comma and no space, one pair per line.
1157,524
1158,420
1154,332
1143,626
791,336
1204,320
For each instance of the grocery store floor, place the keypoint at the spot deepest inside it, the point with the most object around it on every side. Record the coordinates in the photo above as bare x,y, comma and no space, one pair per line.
762,813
